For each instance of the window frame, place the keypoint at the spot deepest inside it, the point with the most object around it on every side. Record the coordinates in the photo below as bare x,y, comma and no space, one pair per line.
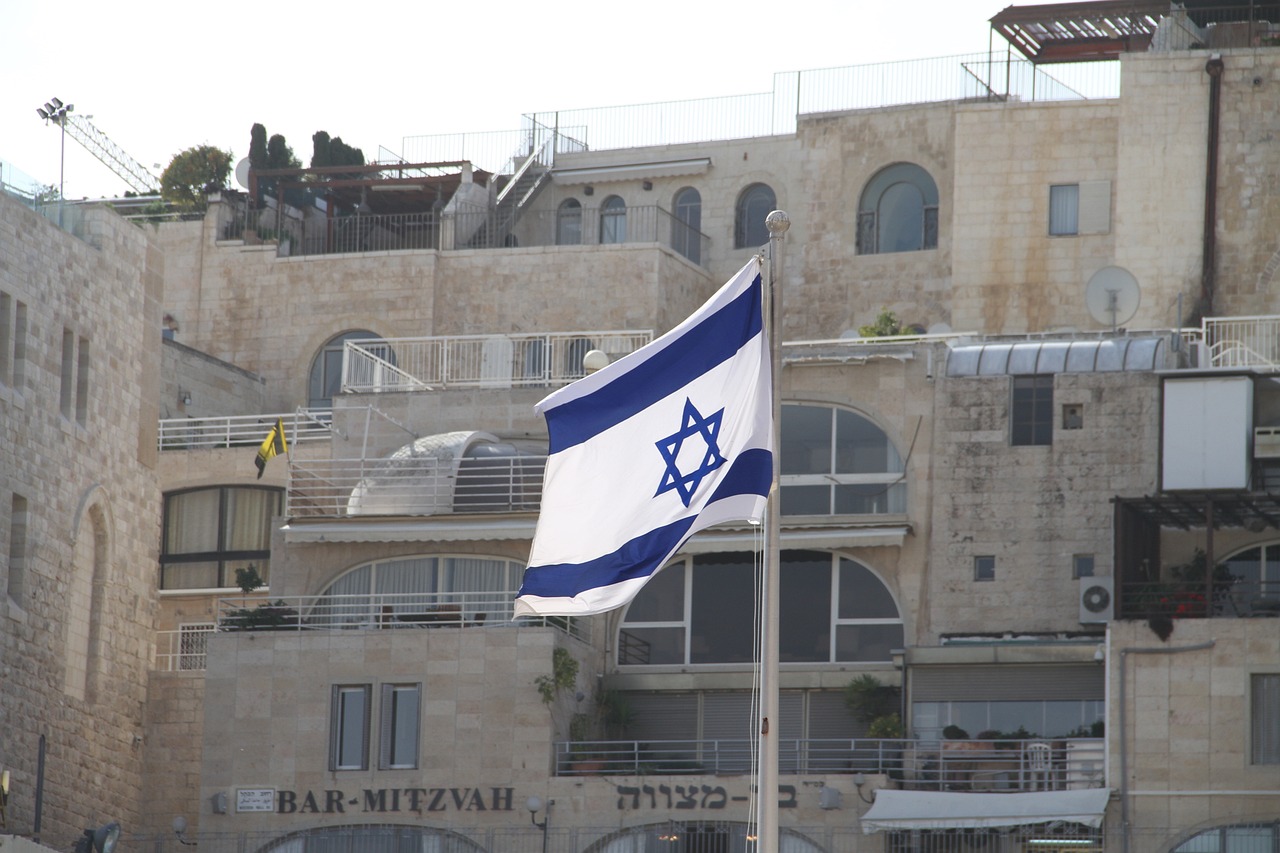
984,568
832,480
261,558
869,233
320,362
613,221
391,725
1064,210
686,225
338,732
1031,410
686,626
568,211
1264,721
749,230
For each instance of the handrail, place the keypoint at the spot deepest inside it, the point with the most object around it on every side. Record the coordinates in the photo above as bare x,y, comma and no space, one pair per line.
242,430
534,157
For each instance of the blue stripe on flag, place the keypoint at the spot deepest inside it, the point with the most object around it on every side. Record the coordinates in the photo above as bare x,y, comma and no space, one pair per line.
712,342
638,558
750,474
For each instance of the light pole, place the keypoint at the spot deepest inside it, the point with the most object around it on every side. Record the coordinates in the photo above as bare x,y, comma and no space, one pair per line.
534,805
55,111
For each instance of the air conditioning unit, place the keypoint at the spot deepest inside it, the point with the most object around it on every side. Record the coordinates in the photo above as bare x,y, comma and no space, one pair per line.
1266,442
1097,600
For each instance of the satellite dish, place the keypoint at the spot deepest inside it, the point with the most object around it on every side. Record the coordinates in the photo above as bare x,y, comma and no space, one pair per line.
939,329
1112,296
242,173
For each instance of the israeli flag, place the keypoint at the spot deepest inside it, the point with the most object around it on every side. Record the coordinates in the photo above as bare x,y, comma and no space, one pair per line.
671,439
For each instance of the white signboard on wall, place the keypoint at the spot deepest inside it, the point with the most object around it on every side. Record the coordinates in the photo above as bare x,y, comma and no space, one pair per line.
255,799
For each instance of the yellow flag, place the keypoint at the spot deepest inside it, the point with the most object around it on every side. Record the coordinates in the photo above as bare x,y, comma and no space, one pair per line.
273,445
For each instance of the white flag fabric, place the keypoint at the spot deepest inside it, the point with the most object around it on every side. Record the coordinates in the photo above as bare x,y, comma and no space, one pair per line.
671,439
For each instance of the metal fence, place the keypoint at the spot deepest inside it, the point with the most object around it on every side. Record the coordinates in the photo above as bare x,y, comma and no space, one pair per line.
183,650
242,430
385,611
478,361
413,486
971,765
1230,598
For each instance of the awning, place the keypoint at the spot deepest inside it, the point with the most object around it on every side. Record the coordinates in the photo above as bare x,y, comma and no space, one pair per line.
631,171
447,529
898,810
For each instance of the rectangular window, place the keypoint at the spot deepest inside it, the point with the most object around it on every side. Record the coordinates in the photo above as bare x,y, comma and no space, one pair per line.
1064,210
984,568
67,388
82,382
398,730
1031,411
1082,566
19,345
6,339
349,728
1264,712
16,580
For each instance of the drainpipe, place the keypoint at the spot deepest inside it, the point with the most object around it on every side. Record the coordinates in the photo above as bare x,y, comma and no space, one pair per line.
1123,742
1214,69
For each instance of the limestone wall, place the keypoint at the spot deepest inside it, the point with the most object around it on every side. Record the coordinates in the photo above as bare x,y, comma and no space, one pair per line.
77,606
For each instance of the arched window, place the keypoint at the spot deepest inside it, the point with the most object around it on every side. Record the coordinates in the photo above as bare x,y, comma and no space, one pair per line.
211,532
1238,838
756,202
898,211
699,611
686,227
697,837
613,220
569,223
325,380
1253,585
837,462
400,589
383,837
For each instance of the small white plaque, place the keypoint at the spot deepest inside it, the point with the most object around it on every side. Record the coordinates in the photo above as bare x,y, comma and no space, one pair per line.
255,799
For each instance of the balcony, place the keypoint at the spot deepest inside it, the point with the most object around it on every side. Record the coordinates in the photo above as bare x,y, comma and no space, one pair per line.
971,765
385,611
242,430
478,361
1232,343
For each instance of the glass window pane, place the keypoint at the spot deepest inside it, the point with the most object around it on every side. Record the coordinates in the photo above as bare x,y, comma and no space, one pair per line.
661,599
1249,839
1205,842
756,203
806,440
870,498
569,223
867,643
862,595
202,575
901,216
1010,717
641,646
805,607
351,724
806,500
248,519
613,220
404,726
721,627
862,447
191,522
1064,204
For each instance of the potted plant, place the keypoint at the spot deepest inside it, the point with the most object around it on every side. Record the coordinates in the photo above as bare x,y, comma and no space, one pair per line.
268,616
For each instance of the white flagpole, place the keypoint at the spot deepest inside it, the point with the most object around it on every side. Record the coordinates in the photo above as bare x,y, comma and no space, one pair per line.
770,725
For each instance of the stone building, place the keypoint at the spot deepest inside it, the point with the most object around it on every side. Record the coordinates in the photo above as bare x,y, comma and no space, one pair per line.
997,526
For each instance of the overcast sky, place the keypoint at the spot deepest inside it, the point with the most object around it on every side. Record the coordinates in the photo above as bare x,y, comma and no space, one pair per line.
160,76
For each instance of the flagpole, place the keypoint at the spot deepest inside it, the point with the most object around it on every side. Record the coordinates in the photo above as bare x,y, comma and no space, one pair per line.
777,223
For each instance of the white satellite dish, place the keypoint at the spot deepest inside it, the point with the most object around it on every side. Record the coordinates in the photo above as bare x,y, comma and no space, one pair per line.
242,173
1112,296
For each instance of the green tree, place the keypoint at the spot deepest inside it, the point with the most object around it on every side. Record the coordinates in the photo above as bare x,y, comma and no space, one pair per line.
193,174
280,155
258,147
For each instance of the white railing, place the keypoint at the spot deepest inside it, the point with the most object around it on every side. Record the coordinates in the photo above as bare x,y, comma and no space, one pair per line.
389,611
416,486
1252,342
242,430
478,361
183,650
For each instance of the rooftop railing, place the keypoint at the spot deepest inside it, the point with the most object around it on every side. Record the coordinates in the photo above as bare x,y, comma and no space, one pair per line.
478,361
413,486
1040,764
242,430
1237,342
385,611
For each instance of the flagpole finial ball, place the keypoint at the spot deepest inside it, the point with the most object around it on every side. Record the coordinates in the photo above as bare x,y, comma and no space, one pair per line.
777,222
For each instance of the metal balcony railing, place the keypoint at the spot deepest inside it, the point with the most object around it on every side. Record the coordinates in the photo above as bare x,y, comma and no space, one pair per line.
415,486
478,361
1230,598
183,650
971,765
1237,342
385,611
242,430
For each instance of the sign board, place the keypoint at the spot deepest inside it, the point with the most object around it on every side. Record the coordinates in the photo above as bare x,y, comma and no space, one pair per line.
255,799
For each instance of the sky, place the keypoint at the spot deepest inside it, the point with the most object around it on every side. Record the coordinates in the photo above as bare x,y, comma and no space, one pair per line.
160,76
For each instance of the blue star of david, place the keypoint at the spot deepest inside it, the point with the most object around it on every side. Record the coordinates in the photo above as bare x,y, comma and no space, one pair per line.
692,424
